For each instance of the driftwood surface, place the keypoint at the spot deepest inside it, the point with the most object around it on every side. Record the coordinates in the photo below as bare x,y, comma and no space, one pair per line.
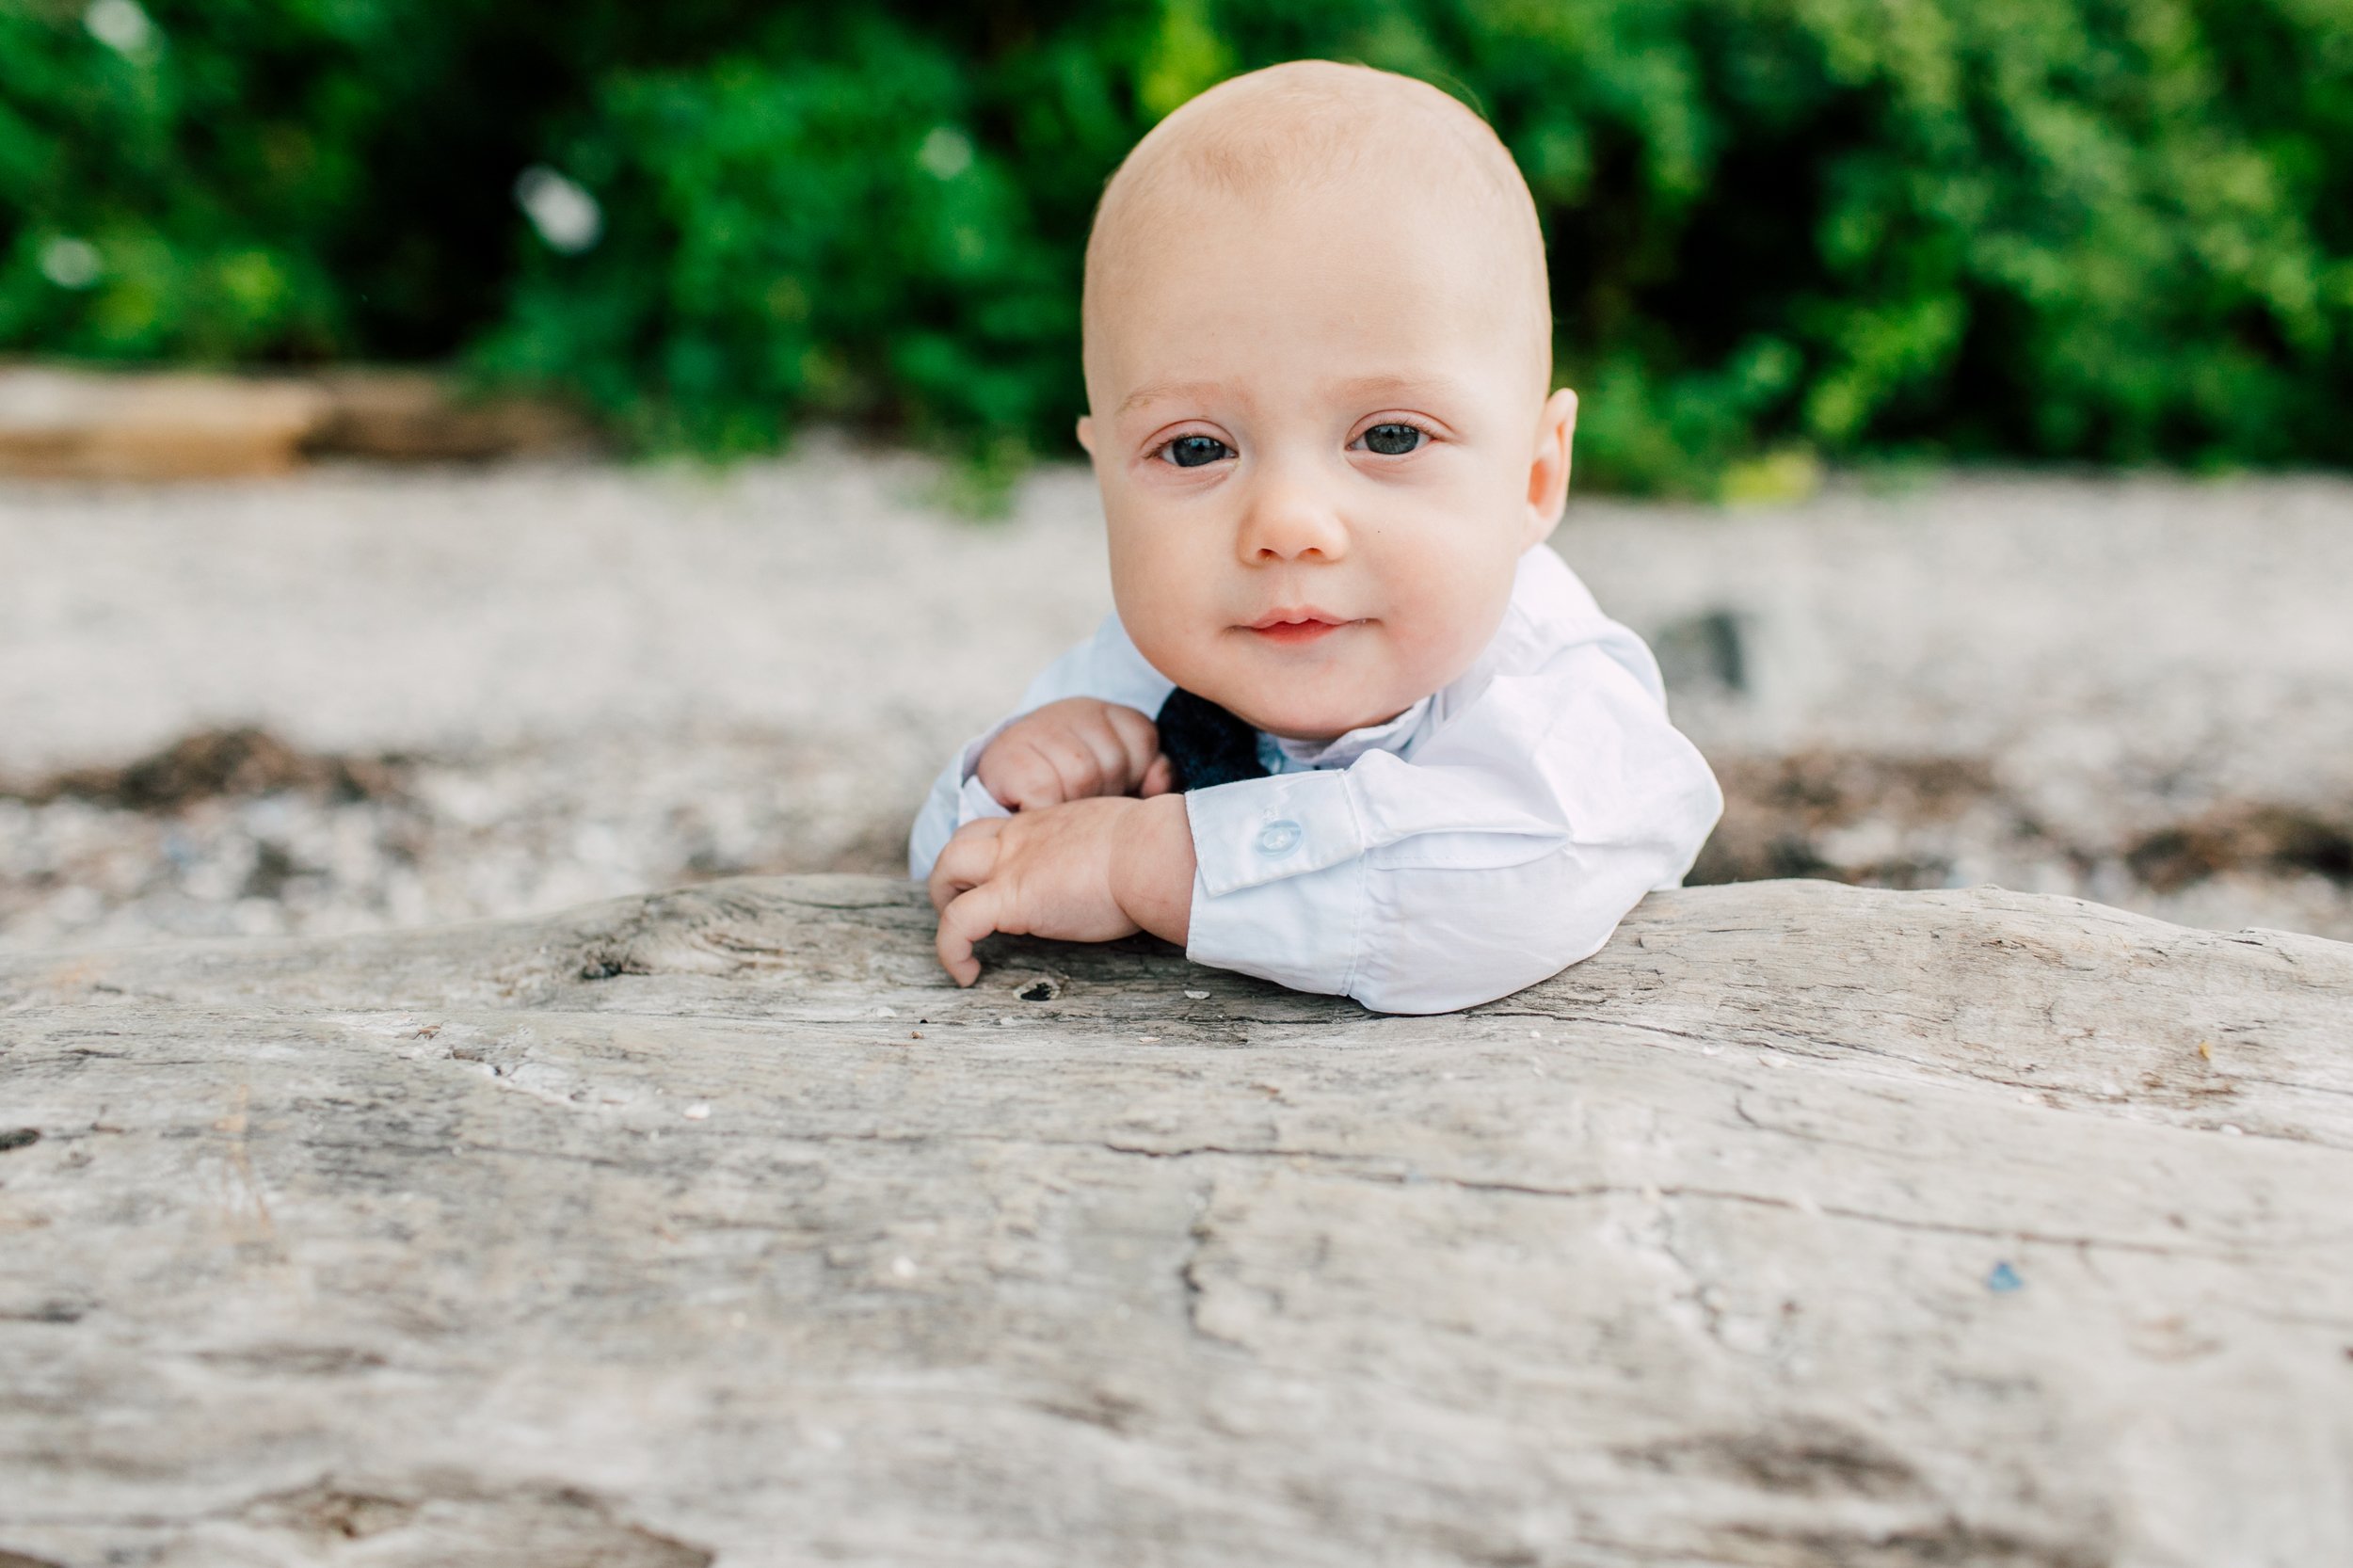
1801,1225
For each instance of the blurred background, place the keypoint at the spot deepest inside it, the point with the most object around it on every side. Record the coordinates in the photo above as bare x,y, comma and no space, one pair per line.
458,458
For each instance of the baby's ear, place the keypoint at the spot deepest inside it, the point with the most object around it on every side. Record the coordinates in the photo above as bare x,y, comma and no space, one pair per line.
1086,433
1548,471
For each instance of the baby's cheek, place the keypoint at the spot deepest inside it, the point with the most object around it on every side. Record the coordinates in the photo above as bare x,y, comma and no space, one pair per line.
1171,638
1451,614
1150,586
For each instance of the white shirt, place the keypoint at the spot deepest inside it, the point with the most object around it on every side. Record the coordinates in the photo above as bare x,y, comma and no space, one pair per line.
1482,839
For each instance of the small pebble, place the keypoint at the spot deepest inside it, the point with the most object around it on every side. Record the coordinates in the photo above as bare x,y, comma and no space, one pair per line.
698,1113
2228,1131
1196,996
903,1266
1150,1039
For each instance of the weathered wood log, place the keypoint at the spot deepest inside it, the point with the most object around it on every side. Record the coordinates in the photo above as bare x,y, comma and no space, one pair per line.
79,424
1801,1225
418,416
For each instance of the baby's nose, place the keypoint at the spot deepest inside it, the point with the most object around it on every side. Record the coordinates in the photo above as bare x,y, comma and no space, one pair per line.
1287,521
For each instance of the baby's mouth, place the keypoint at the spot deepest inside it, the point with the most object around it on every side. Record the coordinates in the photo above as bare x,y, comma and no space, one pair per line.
1289,627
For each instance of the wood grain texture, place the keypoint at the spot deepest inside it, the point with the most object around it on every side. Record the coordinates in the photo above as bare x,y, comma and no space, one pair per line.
715,1226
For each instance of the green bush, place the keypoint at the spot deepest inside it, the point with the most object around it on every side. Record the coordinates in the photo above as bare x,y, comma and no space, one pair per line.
2103,230
273,180
815,231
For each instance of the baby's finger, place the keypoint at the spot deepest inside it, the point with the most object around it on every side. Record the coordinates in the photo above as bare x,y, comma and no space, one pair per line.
1159,779
966,860
1139,740
971,916
1033,777
1109,752
1073,764
1026,781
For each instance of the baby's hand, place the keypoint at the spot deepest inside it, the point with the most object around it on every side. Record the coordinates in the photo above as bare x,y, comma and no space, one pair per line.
1089,870
1072,750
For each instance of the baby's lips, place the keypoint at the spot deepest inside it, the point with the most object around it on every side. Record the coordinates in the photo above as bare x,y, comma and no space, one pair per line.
1295,627
1291,614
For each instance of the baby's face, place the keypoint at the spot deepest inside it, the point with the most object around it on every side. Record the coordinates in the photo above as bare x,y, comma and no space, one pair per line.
1323,444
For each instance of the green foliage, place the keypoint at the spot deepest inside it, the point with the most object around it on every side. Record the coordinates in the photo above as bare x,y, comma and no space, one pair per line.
2108,230
107,247
804,231
286,180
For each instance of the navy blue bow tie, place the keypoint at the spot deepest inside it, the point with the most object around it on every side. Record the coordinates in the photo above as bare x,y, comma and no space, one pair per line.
1206,745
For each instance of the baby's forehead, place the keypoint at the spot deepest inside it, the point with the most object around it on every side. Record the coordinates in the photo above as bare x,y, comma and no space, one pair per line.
1316,130
1264,151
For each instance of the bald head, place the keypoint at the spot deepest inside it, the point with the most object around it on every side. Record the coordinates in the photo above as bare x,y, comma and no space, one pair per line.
1311,134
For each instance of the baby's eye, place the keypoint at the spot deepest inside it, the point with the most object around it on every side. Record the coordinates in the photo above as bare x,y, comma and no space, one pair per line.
1193,450
1393,440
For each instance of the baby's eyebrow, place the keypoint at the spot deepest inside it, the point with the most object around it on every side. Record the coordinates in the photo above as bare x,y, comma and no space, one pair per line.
1161,392
1427,388
1409,388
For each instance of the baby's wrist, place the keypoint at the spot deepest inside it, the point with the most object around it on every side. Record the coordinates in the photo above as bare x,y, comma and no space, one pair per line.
1152,867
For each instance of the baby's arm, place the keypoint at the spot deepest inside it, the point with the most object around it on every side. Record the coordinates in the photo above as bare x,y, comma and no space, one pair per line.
1508,848
1073,749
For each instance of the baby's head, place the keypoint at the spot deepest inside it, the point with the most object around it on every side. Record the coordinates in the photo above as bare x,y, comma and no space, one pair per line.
1318,343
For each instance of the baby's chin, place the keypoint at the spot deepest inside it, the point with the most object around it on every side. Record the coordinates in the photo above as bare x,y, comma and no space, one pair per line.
1307,715
1306,695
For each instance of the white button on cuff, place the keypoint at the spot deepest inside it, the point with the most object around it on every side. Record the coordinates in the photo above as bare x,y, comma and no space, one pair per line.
1278,838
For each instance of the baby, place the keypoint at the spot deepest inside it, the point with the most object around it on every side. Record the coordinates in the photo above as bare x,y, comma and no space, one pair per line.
1352,727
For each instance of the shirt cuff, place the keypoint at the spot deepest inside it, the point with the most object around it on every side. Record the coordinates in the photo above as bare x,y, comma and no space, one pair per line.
974,801
1260,830
1303,931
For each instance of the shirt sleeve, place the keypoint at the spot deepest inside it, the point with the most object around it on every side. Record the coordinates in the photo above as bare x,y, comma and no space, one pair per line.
1106,666
1508,848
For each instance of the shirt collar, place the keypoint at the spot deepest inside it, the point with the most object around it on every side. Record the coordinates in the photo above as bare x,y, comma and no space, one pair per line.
1341,750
